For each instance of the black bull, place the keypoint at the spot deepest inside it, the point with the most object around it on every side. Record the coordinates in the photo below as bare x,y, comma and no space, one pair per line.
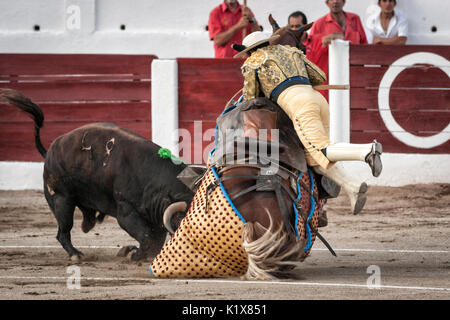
103,168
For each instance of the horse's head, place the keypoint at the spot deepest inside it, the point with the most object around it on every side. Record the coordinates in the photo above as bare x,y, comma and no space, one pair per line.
288,36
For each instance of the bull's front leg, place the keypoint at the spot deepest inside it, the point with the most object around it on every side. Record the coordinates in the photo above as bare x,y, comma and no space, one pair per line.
150,238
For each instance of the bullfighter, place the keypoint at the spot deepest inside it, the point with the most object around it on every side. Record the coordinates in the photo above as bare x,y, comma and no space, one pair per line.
283,74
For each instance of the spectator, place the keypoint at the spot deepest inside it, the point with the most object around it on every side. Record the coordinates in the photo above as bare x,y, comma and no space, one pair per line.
388,26
337,24
296,20
228,24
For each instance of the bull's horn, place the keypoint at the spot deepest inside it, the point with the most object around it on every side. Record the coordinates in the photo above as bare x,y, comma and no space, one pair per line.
170,211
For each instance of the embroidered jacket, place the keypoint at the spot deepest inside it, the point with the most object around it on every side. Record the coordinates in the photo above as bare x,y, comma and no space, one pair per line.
269,66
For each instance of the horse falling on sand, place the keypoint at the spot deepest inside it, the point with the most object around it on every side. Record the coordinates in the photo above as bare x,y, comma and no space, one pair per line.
253,215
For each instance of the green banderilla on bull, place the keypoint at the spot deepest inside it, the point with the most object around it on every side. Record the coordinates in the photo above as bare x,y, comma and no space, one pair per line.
166,154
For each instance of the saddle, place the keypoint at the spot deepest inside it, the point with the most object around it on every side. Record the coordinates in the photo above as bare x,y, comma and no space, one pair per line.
254,126
258,132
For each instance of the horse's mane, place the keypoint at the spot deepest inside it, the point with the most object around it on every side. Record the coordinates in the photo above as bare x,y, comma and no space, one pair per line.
271,252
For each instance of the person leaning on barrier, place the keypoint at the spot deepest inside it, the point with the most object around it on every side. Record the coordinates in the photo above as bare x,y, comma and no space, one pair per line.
388,26
284,75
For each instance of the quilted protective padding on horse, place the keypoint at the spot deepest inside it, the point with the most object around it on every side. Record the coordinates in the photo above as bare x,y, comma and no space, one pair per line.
208,243
311,207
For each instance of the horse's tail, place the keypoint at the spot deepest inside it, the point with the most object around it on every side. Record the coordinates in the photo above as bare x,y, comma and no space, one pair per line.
26,105
271,253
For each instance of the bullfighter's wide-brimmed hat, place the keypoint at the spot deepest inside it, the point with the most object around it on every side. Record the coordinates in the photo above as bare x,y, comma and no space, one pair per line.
253,40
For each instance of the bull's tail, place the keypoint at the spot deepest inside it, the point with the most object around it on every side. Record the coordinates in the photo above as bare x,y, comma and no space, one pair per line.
17,99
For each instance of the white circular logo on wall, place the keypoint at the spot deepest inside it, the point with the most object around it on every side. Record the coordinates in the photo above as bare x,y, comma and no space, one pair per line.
383,99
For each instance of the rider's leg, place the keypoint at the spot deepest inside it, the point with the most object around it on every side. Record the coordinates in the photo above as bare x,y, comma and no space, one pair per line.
369,153
356,190
309,113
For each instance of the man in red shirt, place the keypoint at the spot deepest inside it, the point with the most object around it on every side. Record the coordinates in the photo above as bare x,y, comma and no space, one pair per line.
229,23
338,24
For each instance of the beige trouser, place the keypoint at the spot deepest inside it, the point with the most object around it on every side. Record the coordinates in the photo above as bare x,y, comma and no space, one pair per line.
309,112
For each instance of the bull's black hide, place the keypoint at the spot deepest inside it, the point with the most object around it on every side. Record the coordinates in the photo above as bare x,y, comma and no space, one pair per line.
103,168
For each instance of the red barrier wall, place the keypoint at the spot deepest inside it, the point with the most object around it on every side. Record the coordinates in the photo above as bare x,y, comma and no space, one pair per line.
419,97
205,87
77,89
73,90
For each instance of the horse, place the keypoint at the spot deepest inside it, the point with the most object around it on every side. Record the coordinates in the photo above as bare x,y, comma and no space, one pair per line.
257,205
256,209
